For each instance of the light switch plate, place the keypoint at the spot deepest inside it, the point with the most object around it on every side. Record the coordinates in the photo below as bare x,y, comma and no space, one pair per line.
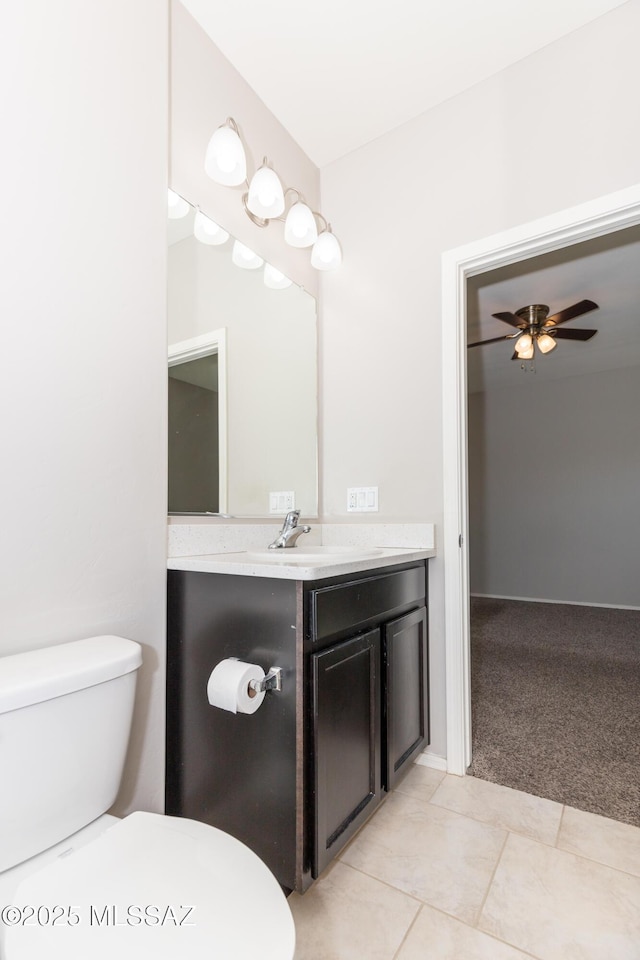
362,500
282,501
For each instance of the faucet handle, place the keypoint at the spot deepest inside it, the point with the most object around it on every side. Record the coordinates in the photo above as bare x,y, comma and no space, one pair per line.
291,519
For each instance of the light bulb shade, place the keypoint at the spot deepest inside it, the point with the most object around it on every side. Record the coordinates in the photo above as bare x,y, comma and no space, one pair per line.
244,257
300,228
176,206
546,343
225,160
266,196
525,354
524,344
274,279
208,231
326,253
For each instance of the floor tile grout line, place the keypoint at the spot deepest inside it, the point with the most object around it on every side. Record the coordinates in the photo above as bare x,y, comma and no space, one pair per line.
490,884
442,911
508,830
598,863
405,794
407,932
385,883
564,807
498,826
528,836
578,856
491,936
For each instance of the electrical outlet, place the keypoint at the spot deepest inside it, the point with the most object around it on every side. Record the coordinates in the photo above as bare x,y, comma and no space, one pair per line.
362,500
282,501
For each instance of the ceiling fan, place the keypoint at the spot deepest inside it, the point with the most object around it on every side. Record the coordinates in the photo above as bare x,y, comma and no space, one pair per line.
536,328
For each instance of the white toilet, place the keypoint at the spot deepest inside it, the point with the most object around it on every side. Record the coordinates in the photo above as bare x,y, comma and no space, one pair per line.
76,883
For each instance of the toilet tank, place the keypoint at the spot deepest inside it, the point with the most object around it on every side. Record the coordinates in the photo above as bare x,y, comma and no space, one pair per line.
65,717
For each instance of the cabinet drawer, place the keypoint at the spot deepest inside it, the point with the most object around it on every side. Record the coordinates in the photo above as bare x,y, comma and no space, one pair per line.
351,606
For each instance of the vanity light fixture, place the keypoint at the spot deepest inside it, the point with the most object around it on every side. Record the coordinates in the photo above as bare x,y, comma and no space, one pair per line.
300,228
274,279
244,257
208,231
225,160
326,253
266,196
177,207
266,199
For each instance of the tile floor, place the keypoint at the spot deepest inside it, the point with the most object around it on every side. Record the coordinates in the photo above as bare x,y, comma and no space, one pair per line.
454,868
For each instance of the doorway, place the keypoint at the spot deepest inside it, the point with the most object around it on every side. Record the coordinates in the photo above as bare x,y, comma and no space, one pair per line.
554,456
198,425
593,219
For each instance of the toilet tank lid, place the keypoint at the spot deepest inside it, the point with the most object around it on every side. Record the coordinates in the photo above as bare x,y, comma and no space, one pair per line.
38,675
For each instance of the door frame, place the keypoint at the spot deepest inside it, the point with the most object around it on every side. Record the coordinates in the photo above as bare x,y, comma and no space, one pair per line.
604,215
205,345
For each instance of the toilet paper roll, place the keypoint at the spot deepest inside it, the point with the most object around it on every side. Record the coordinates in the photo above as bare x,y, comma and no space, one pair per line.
228,686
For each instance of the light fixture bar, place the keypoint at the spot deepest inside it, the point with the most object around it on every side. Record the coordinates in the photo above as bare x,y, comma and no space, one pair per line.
265,199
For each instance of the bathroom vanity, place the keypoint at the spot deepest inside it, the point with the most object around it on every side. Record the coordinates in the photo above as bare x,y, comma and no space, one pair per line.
298,777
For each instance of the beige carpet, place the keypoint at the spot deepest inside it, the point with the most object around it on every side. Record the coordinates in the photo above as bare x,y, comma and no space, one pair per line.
556,702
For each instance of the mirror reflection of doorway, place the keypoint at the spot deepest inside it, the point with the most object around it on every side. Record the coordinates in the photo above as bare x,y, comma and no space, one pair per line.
194,457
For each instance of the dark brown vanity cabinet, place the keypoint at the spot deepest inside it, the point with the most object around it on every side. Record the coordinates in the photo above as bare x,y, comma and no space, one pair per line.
295,780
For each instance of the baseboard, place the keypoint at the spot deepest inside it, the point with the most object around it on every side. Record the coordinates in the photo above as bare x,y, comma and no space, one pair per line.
574,603
432,760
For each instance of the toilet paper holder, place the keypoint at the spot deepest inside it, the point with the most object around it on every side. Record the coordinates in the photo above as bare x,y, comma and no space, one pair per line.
272,681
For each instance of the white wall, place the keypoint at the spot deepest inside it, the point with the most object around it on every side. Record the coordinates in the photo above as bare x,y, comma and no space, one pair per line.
552,131
83,388
205,90
553,489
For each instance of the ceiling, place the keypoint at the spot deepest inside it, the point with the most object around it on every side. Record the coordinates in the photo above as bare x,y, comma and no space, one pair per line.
344,72
340,73
605,270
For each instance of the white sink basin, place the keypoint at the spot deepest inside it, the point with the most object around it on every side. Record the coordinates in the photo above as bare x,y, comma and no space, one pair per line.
312,555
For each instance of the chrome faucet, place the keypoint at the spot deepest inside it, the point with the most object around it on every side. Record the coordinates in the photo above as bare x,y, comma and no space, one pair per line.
290,531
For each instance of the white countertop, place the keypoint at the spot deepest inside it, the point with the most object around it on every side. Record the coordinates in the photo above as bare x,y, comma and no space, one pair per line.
286,567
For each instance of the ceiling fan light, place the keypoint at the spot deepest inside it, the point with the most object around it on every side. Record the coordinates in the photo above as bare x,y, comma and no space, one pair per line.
326,253
274,279
546,343
300,228
524,344
244,257
266,196
525,354
225,160
208,231
176,206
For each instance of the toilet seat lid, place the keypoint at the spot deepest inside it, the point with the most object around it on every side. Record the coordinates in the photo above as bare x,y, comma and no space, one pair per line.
153,886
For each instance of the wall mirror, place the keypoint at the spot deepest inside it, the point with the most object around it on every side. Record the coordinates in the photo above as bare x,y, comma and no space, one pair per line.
242,382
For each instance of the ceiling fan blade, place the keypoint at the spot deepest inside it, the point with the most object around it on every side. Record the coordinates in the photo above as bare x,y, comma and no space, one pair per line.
574,334
481,343
583,306
511,319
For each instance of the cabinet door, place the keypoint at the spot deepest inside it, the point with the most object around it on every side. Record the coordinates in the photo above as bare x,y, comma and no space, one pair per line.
346,741
406,713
